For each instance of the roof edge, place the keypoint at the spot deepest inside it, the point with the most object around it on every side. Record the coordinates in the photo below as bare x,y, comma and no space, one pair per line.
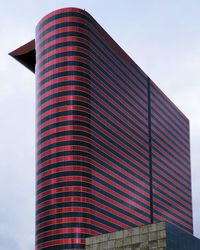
26,55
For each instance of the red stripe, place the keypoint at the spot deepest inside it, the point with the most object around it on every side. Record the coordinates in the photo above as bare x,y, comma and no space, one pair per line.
60,242
61,89
73,107
62,19
91,151
135,96
110,135
97,145
166,184
66,231
175,209
93,201
58,211
92,142
57,130
168,198
58,221
170,128
171,167
95,173
164,99
61,30
100,186
40,57
109,41
171,217
171,147
124,172
111,100
61,119
62,109
62,98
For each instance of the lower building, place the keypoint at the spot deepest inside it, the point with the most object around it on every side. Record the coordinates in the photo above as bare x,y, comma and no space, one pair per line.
159,236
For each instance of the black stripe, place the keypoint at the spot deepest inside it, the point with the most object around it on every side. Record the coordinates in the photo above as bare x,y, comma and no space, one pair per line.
155,128
150,153
64,247
92,166
173,110
60,124
85,205
132,166
91,196
165,121
169,205
63,113
91,99
63,93
174,200
86,154
79,44
174,170
89,176
162,110
63,54
63,84
93,62
62,104
170,219
77,132
90,145
78,215
89,185
159,181
60,26
170,158
103,63
96,26
92,118
66,235
61,15
109,112
174,147
83,65
82,45
66,53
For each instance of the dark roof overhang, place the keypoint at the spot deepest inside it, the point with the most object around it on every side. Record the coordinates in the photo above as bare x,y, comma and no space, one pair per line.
26,55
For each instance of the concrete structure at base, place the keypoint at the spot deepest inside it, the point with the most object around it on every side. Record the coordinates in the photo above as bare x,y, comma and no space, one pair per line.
160,236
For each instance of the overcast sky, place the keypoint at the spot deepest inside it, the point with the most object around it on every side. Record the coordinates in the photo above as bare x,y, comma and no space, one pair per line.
161,36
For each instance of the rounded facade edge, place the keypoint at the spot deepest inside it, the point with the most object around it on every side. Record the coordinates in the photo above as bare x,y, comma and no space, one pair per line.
61,10
63,133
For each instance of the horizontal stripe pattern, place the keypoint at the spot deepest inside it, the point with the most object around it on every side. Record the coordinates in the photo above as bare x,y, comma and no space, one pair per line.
170,162
93,173
92,135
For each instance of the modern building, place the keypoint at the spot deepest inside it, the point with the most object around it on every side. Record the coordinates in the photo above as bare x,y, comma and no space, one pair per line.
113,152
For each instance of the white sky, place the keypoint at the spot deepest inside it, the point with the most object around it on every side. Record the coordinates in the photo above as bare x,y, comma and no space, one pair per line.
161,36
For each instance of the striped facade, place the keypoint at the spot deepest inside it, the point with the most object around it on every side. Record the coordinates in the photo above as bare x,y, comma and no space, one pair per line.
112,150
170,162
93,153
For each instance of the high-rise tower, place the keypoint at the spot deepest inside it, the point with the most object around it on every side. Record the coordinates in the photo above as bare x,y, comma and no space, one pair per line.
112,149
